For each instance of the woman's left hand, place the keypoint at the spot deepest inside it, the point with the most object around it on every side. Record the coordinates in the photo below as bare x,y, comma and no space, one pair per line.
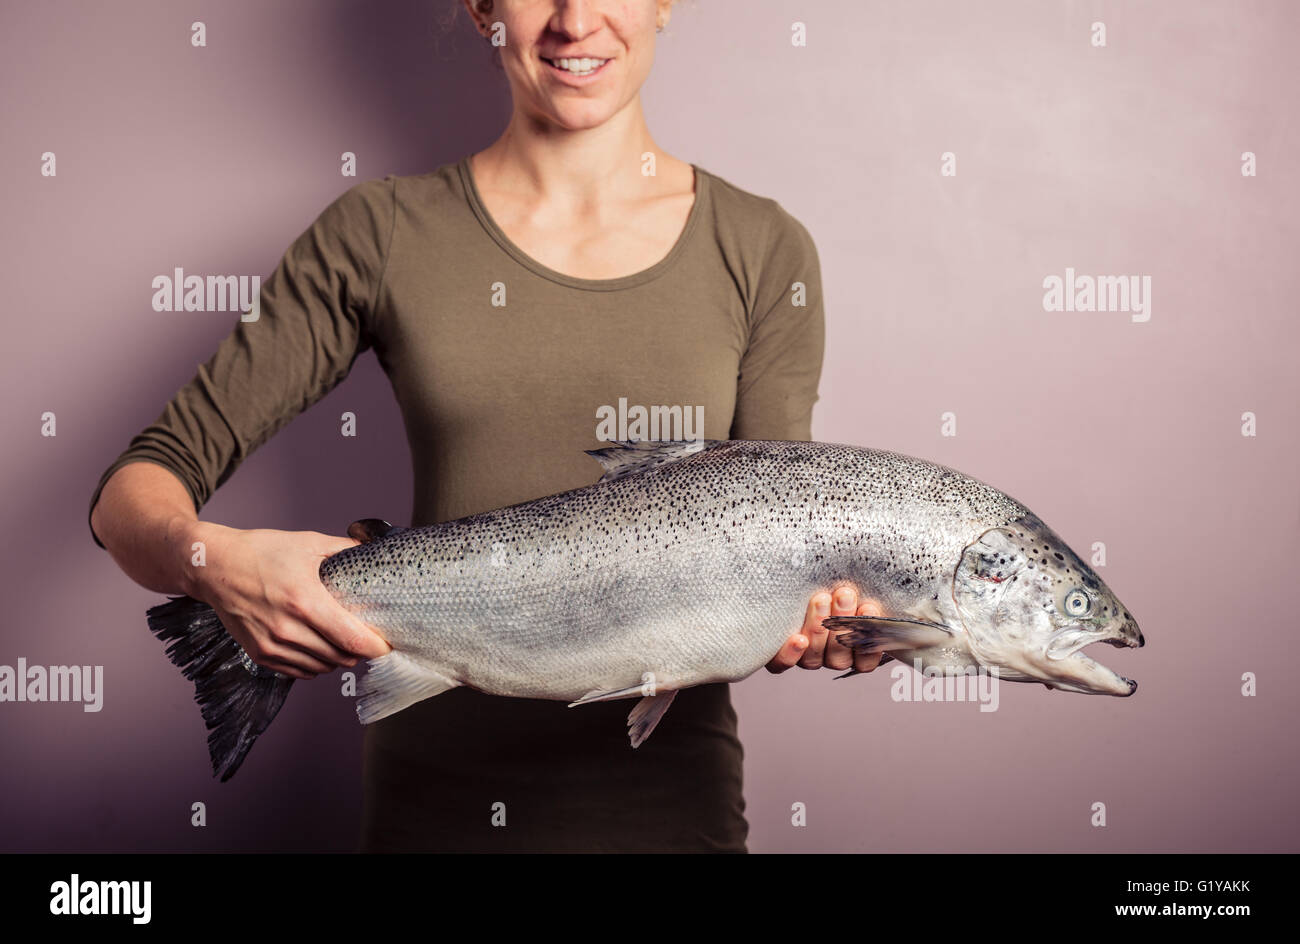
814,647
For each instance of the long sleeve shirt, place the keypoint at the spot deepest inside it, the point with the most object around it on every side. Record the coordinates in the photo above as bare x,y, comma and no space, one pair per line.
499,403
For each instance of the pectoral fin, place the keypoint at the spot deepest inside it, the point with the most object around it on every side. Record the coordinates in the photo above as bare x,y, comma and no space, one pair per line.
868,634
885,657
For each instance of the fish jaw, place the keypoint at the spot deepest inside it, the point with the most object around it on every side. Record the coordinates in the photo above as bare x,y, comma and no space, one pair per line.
1072,671
1078,673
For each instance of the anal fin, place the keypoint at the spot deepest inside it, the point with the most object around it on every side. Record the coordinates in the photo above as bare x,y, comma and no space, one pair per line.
396,681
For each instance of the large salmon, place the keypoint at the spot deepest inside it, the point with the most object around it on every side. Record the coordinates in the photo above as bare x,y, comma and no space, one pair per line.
687,563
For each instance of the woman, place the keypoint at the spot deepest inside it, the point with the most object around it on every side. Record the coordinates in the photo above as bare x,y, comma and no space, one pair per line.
511,297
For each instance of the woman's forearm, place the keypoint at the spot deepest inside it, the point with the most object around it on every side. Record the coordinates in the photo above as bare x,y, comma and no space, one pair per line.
146,520
263,584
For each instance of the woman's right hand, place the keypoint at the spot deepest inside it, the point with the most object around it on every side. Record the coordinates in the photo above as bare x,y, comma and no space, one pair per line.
813,647
265,587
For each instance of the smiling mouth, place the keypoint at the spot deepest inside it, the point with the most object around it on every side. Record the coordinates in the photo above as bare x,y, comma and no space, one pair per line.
579,67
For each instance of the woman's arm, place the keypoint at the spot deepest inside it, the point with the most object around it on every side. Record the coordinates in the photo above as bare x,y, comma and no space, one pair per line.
263,584
146,521
315,314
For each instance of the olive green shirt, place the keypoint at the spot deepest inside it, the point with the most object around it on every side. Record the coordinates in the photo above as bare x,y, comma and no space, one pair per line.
502,368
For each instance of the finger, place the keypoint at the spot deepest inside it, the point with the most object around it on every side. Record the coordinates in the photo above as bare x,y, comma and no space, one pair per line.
276,651
271,654
866,662
789,655
285,669
870,607
844,602
285,666
305,637
330,544
344,630
819,607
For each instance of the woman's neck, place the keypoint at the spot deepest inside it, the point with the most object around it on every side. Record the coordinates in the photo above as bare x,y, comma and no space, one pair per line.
573,168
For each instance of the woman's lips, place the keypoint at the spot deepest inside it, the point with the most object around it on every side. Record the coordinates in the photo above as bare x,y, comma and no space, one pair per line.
579,77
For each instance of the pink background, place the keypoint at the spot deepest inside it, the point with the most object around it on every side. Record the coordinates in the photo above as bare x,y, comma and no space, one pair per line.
1122,160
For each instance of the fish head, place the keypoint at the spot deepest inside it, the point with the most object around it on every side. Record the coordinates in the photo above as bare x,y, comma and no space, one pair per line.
1029,605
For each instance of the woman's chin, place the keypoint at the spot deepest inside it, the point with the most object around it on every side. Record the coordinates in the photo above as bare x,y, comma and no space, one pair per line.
578,116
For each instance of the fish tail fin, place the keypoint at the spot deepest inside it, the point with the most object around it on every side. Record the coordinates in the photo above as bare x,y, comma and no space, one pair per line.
396,681
238,697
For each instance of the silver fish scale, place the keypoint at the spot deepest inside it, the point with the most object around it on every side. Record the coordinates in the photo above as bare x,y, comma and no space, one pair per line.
690,571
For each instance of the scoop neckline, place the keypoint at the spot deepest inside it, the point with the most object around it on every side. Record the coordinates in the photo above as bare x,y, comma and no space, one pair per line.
594,285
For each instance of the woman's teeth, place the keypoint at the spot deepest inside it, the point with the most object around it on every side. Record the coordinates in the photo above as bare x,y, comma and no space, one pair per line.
578,66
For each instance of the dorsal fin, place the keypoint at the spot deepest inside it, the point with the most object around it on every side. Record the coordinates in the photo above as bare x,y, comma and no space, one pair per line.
371,529
628,455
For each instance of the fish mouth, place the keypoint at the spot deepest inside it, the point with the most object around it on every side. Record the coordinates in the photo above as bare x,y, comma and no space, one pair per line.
1072,671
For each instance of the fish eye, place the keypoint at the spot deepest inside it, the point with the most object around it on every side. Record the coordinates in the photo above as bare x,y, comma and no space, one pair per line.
1077,603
